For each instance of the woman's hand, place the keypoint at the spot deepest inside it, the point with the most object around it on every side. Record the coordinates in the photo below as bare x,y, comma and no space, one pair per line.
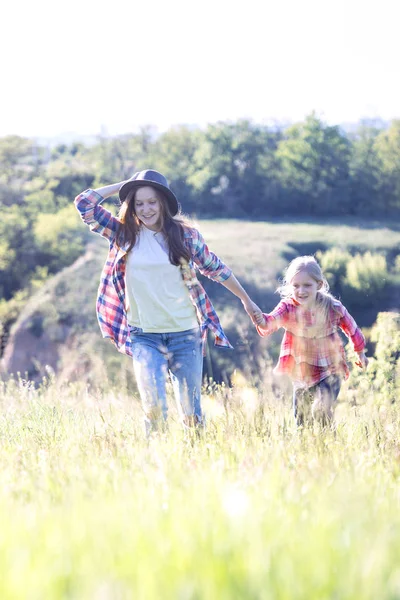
260,320
250,307
363,362
253,311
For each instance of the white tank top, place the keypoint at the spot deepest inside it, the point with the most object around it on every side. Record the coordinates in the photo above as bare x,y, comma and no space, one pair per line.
158,298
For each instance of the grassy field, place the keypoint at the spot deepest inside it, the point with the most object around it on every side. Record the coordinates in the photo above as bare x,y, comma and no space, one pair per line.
253,509
259,251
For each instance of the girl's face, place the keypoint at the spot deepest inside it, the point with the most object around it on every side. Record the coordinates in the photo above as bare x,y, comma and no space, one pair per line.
304,289
148,207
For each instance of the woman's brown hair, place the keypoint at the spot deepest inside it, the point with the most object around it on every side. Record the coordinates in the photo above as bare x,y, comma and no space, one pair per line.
172,227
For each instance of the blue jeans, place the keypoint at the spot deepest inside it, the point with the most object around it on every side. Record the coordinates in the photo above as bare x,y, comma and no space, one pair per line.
159,355
317,402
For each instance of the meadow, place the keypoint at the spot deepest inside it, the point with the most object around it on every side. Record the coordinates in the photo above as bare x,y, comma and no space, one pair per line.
252,508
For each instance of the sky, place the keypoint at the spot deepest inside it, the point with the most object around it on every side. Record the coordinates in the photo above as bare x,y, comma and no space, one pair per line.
111,67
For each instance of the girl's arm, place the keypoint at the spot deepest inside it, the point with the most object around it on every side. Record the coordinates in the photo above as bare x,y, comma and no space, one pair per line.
99,219
271,322
348,325
363,360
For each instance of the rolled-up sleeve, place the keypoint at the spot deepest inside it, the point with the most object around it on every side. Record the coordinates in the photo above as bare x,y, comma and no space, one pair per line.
98,219
206,261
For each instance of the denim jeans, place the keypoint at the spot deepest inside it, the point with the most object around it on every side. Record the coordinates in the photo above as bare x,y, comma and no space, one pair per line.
317,402
159,355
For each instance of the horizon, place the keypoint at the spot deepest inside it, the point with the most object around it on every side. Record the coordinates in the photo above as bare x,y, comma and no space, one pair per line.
91,138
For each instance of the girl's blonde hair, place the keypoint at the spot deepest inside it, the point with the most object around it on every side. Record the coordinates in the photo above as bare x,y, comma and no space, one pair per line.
325,300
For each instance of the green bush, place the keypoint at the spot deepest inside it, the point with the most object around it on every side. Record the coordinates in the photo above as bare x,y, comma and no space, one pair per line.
362,280
382,377
60,238
334,265
367,273
386,335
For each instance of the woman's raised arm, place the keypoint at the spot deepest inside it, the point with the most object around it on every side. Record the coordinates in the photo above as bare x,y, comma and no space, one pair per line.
109,190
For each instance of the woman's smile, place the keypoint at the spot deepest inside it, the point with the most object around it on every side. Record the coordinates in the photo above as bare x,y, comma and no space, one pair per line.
148,208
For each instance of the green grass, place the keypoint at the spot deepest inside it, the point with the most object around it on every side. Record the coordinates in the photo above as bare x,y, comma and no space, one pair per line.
253,509
259,251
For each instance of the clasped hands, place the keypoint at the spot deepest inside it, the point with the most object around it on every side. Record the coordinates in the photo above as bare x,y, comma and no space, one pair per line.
254,312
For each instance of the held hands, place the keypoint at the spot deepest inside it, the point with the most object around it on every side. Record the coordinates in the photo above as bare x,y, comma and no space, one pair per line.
254,312
259,319
363,362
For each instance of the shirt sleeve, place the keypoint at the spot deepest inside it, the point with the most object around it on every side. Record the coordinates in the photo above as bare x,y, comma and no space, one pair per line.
99,219
274,320
350,328
206,261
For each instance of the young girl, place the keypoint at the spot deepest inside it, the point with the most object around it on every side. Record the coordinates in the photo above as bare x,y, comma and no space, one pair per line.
312,352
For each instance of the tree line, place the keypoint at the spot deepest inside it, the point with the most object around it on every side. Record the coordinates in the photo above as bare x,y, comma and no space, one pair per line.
239,169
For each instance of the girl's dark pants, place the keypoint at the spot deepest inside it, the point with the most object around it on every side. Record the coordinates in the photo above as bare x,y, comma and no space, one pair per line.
317,402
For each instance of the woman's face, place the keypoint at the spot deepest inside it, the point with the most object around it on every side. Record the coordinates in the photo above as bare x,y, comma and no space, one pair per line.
148,207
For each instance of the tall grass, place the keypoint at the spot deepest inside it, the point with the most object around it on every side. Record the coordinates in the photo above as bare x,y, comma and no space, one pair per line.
253,508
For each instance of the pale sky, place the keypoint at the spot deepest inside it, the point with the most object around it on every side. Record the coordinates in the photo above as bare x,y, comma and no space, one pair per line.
83,65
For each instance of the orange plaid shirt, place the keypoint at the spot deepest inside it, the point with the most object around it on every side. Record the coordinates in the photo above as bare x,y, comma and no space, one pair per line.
311,351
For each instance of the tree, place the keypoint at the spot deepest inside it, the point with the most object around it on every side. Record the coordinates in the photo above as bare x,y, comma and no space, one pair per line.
314,167
116,159
387,147
230,171
173,155
15,156
364,170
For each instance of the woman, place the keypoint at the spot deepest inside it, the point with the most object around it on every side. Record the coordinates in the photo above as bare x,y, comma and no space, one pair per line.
150,303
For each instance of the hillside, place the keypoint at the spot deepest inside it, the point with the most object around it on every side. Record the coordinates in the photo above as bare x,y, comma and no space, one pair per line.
57,331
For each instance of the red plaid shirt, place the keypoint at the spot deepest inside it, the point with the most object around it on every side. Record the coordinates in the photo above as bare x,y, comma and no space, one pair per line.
311,351
110,306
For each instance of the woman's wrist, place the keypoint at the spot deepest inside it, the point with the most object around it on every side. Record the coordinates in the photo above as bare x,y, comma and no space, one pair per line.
245,298
109,190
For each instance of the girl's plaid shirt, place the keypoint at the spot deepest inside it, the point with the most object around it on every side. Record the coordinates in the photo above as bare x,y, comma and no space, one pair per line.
310,350
110,305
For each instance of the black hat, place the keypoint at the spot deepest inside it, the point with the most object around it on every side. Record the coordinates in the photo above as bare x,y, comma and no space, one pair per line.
153,179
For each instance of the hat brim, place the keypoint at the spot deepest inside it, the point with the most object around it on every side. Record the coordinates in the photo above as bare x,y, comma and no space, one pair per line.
173,203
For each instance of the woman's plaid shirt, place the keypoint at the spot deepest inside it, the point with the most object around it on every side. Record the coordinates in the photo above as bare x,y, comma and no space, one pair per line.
110,303
311,350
